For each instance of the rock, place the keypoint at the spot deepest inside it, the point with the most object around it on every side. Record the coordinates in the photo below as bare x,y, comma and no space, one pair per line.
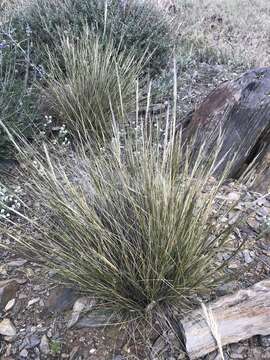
234,264
7,165
264,341
61,299
214,356
8,289
29,272
24,353
16,263
10,305
82,304
3,269
74,353
237,356
32,302
31,342
241,110
22,296
263,212
238,351
254,224
248,256
21,281
7,328
233,196
9,339
95,320
228,288
44,345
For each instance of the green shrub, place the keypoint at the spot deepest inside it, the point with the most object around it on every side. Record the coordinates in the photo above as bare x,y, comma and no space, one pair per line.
17,99
138,25
96,81
132,225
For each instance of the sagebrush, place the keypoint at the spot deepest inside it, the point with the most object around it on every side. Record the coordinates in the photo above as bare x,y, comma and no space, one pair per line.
132,25
17,99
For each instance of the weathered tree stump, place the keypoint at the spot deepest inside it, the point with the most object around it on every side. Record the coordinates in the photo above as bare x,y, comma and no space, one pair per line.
241,110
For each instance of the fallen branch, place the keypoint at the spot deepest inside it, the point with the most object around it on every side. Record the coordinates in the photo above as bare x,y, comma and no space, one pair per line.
237,317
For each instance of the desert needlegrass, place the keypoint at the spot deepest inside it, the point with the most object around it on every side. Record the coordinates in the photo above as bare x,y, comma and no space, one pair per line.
96,79
132,225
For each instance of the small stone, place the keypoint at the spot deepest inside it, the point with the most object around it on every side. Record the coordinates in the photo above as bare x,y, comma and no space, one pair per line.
234,265
247,256
254,224
233,196
31,342
264,341
29,272
263,211
92,351
10,304
9,339
216,356
262,201
36,288
52,273
24,353
228,288
61,299
95,320
21,281
22,296
233,217
81,304
8,289
16,263
74,352
7,328
8,351
44,345
237,356
3,270
32,302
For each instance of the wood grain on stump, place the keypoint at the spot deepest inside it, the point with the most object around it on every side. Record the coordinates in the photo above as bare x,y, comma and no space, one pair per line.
238,317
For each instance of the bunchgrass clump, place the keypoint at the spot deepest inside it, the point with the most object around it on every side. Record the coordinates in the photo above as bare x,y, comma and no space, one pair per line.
96,81
130,225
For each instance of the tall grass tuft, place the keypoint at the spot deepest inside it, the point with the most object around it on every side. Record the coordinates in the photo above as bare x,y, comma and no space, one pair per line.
132,225
95,81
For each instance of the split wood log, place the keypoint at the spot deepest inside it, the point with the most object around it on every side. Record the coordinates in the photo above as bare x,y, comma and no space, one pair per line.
237,317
